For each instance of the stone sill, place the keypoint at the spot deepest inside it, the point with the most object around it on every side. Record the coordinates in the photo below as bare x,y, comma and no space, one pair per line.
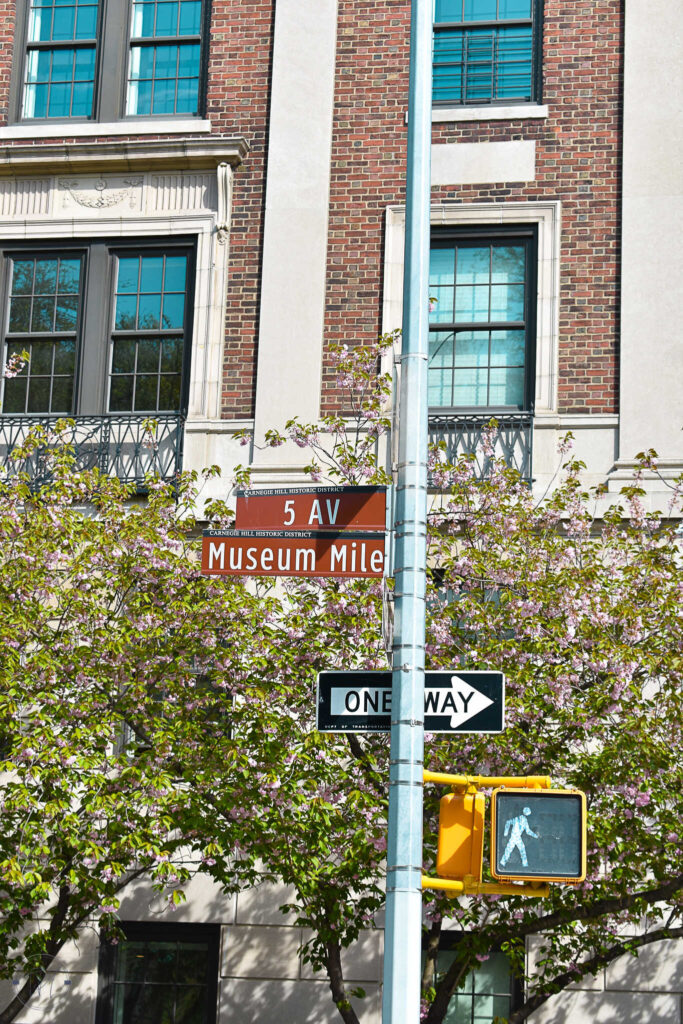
489,112
85,129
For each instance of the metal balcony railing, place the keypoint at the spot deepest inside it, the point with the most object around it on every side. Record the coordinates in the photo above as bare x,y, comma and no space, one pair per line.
118,445
463,432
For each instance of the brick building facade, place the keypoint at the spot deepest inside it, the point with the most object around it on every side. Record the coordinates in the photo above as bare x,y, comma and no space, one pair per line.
254,183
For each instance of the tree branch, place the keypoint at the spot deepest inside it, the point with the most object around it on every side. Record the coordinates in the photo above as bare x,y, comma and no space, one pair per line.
590,967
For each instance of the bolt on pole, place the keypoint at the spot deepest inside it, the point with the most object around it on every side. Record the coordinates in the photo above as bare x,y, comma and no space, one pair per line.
403,933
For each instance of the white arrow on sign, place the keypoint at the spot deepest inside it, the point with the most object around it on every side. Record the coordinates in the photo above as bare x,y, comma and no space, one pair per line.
462,701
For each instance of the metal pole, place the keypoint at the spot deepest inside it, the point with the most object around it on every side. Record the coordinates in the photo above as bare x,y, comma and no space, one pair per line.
402,937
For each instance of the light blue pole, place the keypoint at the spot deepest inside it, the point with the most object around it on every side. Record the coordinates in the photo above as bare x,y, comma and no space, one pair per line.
402,937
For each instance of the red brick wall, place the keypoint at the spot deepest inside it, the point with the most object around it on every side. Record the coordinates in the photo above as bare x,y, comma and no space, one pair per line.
237,105
577,162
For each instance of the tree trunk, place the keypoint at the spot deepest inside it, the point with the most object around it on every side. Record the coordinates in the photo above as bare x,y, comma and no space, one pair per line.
52,947
336,976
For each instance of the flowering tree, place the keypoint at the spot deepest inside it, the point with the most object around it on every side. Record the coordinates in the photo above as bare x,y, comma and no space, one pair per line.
152,716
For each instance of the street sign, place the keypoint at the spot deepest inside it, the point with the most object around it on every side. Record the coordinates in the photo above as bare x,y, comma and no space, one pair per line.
299,553
538,835
312,508
455,701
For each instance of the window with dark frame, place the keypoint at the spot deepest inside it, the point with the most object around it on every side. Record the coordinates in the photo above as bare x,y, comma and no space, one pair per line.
118,346
159,974
482,288
108,59
490,991
487,51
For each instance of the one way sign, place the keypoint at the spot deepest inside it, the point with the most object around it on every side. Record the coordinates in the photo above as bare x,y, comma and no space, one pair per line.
455,701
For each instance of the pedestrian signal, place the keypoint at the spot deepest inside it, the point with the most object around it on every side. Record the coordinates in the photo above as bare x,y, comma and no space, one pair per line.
538,835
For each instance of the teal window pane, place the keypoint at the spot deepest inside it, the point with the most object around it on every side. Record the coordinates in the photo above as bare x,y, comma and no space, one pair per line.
472,304
142,62
493,975
441,349
152,273
81,103
66,312
441,266
174,311
472,349
507,302
190,17
166,62
86,22
126,310
473,265
167,19
123,356
14,396
64,23
187,101
42,314
440,388
507,348
507,387
175,273
84,67
140,98
448,10
514,9
480,10
38,66
65,356
62,394
121,394
164,97
470,388
188,61
442,311
143,20
149,311
46,277
38,395
172,355
146,393
41,359
62,65
60,101
20,315
169,393
508,265
22,277
148,355
129,270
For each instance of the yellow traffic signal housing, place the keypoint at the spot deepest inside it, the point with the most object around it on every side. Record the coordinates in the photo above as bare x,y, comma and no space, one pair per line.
538,835
461,835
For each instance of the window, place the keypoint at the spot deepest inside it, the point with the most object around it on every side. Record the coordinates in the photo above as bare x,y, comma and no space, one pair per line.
106,329
481,329
487,51
159,974
491,990
100,59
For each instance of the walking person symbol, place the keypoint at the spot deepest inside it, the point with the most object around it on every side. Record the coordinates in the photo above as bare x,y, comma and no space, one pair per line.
517,827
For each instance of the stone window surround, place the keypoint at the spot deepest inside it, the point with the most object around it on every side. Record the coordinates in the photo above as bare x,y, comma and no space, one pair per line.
547,215
137,190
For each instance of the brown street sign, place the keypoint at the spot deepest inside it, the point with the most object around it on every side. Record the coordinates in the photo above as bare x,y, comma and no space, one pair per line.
312,508
300,553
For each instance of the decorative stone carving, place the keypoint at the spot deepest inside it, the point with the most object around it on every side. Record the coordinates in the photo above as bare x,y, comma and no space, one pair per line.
224,183
101,194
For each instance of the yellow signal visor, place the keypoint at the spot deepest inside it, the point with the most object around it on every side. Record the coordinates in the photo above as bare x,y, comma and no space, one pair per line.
538,835
461,835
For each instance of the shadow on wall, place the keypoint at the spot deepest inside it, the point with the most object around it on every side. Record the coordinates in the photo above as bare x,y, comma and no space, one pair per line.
61,999
289,1002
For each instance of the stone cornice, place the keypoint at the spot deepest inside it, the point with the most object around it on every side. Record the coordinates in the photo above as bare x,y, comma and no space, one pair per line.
131,155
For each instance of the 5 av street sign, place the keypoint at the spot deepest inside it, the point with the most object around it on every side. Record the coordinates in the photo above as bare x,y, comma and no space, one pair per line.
455,701
312,508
